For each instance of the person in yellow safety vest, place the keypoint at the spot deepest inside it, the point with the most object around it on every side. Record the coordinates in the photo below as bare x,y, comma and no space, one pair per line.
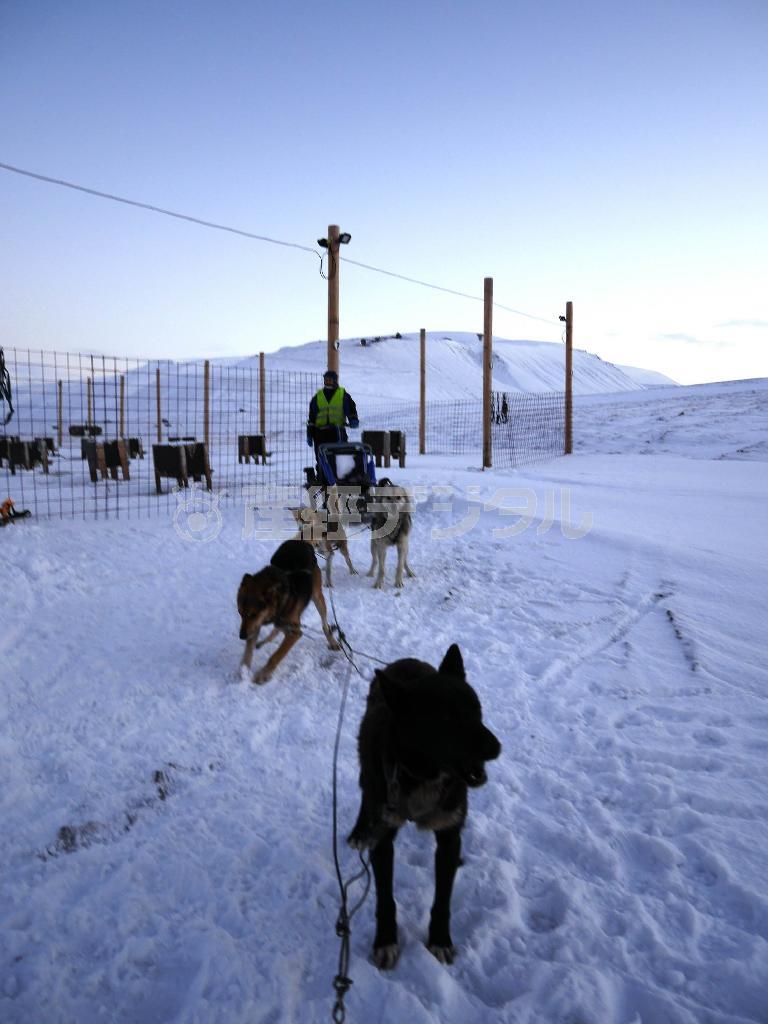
330,410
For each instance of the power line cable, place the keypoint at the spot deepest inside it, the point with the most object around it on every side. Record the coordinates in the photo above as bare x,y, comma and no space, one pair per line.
449,291
157,209
260,238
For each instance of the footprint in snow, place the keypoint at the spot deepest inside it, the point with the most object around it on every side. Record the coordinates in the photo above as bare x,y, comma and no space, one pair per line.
710,738
547,911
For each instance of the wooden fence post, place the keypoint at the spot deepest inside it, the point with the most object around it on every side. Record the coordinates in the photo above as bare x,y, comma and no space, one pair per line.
122,406
487,367
159,414
207,403
333,297
60,409
569,378
91,395
422,392
262,398
89,391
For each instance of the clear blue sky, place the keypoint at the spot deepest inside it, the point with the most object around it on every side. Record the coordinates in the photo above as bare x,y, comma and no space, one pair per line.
610,153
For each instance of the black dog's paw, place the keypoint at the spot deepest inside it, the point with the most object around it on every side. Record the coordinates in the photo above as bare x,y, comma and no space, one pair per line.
385,957
445,954
359,839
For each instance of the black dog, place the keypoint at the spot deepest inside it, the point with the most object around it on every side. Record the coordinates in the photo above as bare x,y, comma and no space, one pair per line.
422,742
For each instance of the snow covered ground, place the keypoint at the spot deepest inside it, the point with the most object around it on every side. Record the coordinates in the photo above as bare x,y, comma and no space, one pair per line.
166,842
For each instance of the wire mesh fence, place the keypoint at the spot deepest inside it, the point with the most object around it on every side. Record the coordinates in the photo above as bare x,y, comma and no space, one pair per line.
451,428
100,436
526,427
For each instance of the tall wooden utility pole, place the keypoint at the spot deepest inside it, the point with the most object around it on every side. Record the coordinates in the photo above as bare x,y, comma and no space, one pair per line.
422,391
569,378
487,368
333,297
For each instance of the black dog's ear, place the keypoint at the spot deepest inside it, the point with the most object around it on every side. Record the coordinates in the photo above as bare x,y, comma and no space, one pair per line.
391,690
245,579
453,664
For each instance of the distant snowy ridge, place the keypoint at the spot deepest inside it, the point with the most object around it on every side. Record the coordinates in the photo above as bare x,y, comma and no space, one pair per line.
390,365
648,378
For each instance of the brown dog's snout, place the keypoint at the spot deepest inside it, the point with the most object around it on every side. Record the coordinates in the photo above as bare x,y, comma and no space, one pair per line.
249,624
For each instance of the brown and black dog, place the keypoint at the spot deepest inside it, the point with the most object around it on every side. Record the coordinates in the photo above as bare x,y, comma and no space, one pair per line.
422,743
277,596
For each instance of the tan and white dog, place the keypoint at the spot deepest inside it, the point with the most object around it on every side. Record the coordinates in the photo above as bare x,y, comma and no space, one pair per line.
325,532
389,517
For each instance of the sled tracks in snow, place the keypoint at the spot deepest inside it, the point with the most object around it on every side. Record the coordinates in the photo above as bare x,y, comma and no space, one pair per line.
71,838
562,668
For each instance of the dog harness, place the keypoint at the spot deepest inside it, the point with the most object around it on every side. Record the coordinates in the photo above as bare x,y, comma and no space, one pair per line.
381,519
330,413
278,621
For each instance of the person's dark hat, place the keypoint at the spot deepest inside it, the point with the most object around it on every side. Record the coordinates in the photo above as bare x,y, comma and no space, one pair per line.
332,374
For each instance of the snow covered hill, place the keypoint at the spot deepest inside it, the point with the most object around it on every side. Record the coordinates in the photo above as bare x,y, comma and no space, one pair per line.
648,378
390,365
382,368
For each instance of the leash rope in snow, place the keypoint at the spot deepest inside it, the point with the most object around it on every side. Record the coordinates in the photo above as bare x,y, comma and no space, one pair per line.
345,645
360,654
342,982
346,648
